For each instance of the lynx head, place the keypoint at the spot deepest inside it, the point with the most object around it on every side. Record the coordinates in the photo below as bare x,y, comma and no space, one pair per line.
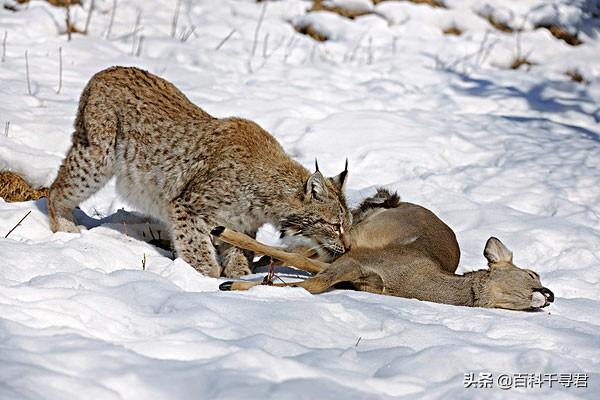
322,221
509,286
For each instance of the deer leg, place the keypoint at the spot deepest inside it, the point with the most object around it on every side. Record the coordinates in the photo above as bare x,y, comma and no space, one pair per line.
340,271
246,242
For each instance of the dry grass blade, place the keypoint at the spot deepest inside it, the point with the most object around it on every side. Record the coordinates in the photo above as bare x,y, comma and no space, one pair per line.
576,76
343,11
453,30
312,32
14,188
432,3
501,26
562,34
519,62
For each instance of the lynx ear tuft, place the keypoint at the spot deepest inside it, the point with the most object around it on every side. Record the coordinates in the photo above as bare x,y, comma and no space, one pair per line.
315,186
495,251
340,180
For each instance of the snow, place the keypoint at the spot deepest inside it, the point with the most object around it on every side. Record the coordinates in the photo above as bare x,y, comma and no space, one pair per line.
493,151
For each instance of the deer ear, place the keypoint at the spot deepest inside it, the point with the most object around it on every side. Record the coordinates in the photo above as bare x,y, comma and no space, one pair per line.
495,251
315,186
340,180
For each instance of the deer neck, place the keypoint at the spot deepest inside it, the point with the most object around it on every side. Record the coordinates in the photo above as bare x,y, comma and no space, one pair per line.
465,290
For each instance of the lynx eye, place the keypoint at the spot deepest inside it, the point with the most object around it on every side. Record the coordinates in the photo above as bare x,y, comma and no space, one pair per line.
339,229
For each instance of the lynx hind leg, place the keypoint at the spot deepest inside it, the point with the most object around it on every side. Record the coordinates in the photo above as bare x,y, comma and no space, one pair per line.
191,240
235,262
84,171
89,163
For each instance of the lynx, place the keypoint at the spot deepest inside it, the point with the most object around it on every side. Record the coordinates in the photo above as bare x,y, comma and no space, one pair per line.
174,161
402,249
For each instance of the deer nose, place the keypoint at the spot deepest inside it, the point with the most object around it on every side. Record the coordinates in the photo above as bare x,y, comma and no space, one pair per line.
547,294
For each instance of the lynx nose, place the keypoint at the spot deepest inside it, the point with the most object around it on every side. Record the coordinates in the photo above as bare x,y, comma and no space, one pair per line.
346,241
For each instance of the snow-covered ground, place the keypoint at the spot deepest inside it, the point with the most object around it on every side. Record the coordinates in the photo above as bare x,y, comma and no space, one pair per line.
440,118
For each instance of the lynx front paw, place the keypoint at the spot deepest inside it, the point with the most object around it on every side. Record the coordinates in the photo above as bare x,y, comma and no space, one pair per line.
61,224
237,270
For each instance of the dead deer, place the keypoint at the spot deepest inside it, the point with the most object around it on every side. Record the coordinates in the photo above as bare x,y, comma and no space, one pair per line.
403,249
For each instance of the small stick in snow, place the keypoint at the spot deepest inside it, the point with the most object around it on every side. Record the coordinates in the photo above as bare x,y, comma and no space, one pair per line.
265,45
6,126
4,46
112,19
139,49
27,73
187,33
370,48
256,31
225,39
68,21
89,17
290,48
18,223
144,262
60,67
138,19
175,18
268,280
356,48
358,341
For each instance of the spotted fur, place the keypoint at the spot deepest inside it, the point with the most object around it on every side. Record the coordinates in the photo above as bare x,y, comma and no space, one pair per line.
189,169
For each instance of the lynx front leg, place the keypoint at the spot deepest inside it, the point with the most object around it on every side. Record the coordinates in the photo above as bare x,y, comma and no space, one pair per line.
192,240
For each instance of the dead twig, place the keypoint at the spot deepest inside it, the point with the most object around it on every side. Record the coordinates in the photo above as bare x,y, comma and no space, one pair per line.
175,18
89,17
27,73
4,46
144,262
268,280
112,19
6,127
266,45
139,47
358,341
68,21
187,33
18,223
225,39
136,27
256,32
60,68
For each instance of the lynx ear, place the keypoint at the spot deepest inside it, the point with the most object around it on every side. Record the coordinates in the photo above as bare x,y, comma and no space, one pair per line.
340,180
495,251
315,186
